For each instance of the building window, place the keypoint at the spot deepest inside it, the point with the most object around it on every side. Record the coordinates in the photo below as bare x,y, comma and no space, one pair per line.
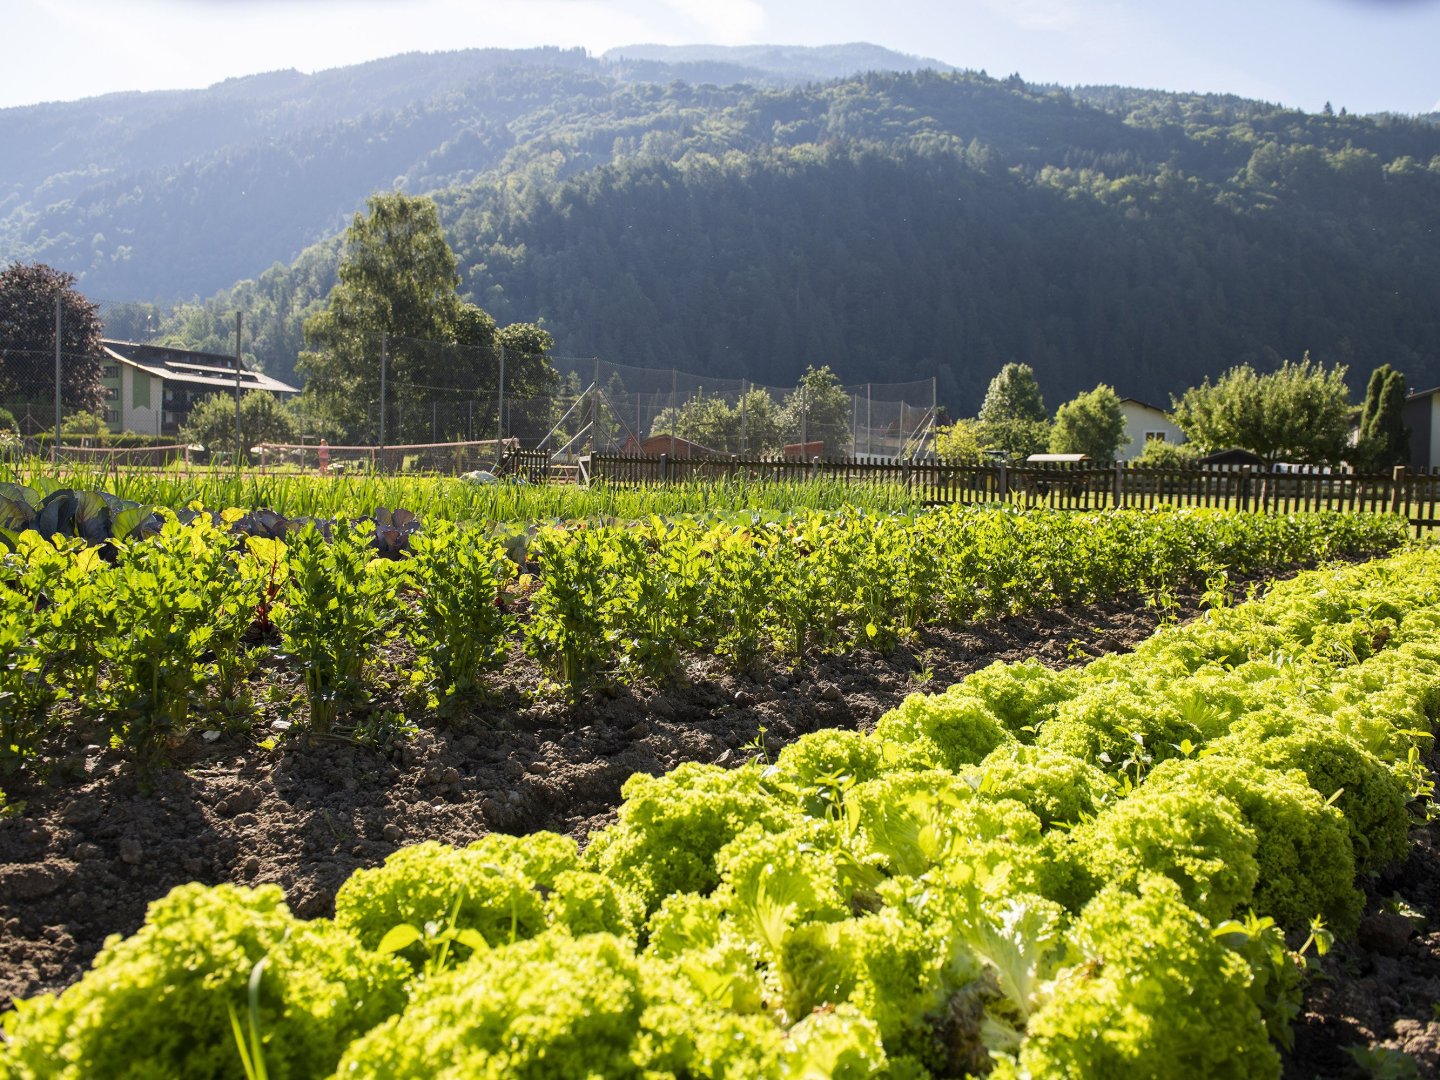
112,371
112,393
1154,436
112,416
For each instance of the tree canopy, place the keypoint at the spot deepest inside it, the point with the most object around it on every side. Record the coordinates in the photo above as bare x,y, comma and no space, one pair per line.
396,297
1091,423
263,419
27,340
1299,413
1012,417
1384,440
819,410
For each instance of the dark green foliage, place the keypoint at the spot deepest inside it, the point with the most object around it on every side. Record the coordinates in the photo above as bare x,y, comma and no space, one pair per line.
263,418
912,223
28,295
1384,438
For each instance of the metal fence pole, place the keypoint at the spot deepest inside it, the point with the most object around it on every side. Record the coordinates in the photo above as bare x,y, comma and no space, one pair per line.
59,327
382,389
239,436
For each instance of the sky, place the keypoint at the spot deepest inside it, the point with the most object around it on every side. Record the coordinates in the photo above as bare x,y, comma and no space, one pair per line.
1364,55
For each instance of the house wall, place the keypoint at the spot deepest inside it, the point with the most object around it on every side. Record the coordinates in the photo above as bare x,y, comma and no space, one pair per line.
138,399
1141,420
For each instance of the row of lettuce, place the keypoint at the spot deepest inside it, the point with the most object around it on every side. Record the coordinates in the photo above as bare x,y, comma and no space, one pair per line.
1080,873
141,639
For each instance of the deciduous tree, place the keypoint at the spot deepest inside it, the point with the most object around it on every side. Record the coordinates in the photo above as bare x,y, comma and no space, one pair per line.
1091,423
1299,413
27,339
819,410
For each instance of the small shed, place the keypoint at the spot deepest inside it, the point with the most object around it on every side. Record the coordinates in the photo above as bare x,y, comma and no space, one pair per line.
1233,456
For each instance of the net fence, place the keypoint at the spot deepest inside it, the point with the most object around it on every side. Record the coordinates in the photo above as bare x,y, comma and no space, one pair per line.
389,402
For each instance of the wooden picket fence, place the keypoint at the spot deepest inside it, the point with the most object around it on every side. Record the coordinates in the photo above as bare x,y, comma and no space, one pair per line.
1064,486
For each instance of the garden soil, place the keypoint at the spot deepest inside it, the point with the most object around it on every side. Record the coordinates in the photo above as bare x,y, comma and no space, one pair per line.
89,850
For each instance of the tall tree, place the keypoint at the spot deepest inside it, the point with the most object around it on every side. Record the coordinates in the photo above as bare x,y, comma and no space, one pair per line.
1012,416
27,339
1384,440
819,410
397,290
1299,413
1091,423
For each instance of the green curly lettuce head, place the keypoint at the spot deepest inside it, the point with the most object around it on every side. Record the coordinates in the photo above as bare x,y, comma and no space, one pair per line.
957,722
1105,723
424,883
1021,696
1368,795
816,767
554,1006
1150,993
1053,786
537,857
1197,839
584,902
907,823
671,827
158,1003
1302,849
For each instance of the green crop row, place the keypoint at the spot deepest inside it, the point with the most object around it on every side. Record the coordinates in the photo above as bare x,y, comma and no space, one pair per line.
143,637
459,499
1089,873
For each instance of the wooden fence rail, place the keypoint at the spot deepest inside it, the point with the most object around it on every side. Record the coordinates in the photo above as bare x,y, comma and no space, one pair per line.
1064,486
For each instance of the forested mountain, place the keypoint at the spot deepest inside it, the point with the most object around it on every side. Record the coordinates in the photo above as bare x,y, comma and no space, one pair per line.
891,224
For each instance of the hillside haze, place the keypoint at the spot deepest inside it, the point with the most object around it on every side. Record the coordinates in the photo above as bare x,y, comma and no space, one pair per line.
746,212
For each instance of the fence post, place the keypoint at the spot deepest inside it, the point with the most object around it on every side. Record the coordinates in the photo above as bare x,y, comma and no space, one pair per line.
1397,489
1117,494
665,467
1245,472
1004,484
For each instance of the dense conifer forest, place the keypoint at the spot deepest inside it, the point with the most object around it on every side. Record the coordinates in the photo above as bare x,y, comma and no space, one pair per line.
892,224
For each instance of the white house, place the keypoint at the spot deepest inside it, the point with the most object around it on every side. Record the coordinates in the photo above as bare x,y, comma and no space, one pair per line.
150,389
1143,423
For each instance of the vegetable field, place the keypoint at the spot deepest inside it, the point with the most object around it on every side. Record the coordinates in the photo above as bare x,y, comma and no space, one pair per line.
1122,867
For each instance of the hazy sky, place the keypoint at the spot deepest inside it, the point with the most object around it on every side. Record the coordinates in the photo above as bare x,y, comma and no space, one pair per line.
1366,55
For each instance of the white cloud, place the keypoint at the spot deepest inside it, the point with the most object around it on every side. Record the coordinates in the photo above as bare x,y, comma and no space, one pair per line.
1039,14
723,22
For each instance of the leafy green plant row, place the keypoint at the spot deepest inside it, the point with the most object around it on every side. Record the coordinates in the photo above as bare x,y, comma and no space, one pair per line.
457,499
1112,871
98,517
614,601
171,626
